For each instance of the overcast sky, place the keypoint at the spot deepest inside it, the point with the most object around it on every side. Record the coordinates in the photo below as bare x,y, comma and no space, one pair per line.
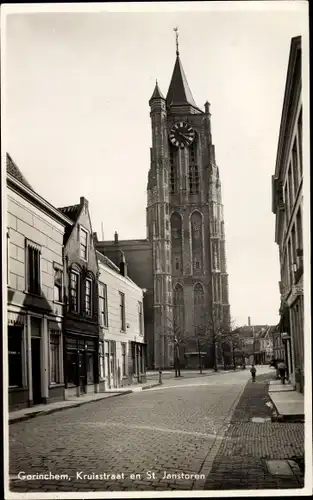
77,119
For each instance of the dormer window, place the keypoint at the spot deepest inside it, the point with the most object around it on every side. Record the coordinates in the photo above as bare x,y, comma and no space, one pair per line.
83,244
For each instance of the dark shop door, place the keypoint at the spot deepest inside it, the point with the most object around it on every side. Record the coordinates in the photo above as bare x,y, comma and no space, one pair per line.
82,372
36,372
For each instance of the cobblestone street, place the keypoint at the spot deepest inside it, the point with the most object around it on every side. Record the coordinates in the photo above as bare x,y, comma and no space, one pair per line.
186,427
241,459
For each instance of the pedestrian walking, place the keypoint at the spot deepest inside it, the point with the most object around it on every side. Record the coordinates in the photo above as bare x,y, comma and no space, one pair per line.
282,371
253,372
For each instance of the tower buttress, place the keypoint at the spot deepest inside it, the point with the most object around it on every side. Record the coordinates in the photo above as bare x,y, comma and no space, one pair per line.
158,230
220,302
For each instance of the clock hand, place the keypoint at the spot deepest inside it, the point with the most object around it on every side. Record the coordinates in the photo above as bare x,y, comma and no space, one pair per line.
184,136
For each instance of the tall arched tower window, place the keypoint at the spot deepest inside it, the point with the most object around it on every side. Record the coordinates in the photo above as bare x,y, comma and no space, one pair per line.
176,241
198,308
196,242
178,310
193,169
173,169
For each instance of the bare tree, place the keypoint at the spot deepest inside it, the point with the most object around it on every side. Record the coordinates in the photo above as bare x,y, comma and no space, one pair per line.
212,332
236,344
178,338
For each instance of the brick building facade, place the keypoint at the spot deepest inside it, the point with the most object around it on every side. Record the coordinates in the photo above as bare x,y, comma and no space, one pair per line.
81,313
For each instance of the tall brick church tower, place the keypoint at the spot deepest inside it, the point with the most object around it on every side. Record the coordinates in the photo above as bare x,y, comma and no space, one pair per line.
182,263
184,218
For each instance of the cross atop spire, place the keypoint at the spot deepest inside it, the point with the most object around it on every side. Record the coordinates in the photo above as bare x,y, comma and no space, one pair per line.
177,46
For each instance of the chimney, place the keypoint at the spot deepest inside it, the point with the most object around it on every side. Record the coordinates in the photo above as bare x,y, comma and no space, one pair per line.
207,107
123,265
115,237
83,202
249,321
95,237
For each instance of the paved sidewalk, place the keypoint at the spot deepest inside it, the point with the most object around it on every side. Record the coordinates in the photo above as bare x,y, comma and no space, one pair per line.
253,444
288,403
154,375
72,402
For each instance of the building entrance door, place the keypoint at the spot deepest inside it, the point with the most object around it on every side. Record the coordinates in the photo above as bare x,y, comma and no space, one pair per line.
82,372
112,375
36,371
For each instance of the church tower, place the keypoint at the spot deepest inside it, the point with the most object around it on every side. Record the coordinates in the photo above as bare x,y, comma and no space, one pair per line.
184,219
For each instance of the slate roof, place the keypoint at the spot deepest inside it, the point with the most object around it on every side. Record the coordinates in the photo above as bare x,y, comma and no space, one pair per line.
14,170
106,261
179,91
72,211
157,94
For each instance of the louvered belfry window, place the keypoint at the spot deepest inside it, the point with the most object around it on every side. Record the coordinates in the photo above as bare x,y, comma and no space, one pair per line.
173,171
193,170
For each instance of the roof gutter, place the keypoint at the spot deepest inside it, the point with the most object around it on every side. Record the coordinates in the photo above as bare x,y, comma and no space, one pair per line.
38,200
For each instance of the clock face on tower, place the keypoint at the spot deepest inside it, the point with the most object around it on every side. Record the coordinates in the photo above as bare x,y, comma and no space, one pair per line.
181,134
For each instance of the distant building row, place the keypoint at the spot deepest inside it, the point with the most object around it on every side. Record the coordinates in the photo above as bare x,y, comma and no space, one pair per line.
75,319
258,343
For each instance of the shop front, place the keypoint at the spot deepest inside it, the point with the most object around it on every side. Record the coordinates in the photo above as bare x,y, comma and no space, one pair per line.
81,362
17,361
137,362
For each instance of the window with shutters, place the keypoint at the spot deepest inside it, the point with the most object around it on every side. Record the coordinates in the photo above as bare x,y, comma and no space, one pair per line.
33,252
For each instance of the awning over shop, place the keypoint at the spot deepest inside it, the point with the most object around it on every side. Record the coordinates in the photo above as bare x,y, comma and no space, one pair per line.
17,319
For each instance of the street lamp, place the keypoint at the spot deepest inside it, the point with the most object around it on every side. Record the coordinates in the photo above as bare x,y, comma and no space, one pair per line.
199,352
253,344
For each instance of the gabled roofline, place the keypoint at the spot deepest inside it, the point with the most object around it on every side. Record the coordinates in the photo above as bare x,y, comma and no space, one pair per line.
103,260
35,198
295,49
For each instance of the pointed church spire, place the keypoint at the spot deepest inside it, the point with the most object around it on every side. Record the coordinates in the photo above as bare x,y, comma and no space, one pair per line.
179,91
157,94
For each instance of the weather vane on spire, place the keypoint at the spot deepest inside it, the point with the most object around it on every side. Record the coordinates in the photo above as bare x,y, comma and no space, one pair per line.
176,33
